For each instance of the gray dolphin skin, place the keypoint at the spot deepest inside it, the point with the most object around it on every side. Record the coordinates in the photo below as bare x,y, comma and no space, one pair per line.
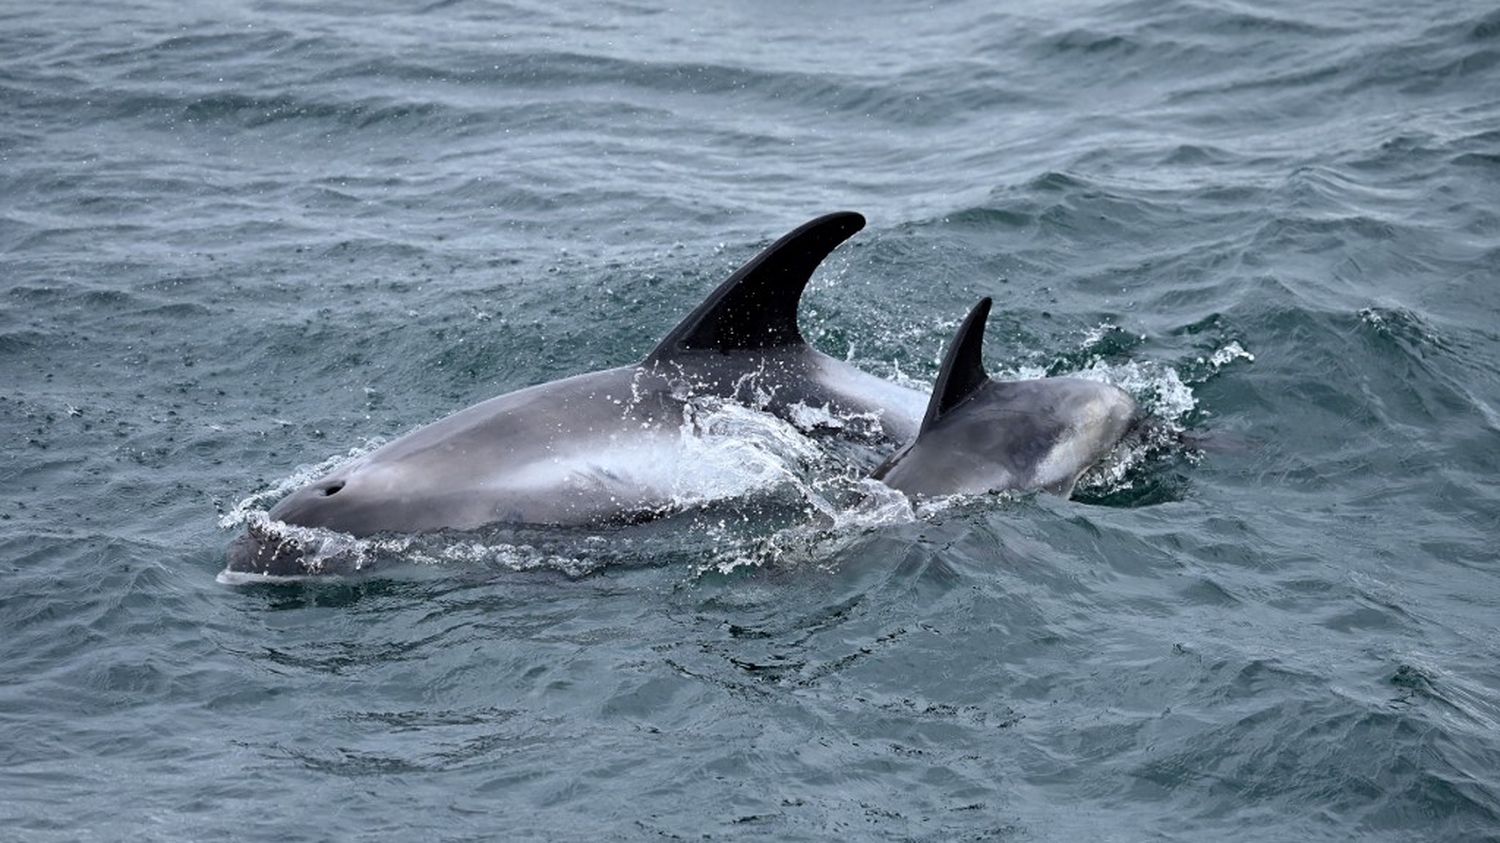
982,435
599,446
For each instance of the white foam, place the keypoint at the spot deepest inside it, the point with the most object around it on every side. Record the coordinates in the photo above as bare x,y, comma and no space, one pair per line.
1157,387
808,418
1093,336
730,450
1228,354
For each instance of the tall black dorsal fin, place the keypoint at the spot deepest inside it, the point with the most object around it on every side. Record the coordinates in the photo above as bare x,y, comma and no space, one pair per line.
963,367
756,307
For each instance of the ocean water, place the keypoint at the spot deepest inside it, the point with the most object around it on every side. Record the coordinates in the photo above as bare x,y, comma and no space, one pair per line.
241,239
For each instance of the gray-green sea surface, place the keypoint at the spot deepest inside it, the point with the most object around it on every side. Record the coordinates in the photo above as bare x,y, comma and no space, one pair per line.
241,240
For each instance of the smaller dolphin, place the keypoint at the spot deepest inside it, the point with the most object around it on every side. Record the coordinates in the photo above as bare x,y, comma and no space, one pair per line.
982,435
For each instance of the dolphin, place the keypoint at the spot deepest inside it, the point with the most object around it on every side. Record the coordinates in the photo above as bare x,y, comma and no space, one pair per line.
982,435
599,446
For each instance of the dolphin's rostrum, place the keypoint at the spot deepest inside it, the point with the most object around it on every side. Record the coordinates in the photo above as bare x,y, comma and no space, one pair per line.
599,447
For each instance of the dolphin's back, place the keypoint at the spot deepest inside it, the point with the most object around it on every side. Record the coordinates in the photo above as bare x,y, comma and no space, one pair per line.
567,452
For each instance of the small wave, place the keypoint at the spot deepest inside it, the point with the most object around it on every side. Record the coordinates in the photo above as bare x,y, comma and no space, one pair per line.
1486,28
1403,327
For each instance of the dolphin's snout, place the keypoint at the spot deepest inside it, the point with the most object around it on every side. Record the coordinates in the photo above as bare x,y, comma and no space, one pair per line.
269,549
261,552
1105,416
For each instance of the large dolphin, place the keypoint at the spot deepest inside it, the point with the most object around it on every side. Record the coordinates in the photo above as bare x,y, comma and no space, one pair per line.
600,446
982,435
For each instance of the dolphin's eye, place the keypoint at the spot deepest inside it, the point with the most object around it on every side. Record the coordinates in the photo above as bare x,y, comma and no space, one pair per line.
332,488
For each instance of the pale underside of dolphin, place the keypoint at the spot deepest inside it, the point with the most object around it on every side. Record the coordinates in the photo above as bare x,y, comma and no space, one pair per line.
604,445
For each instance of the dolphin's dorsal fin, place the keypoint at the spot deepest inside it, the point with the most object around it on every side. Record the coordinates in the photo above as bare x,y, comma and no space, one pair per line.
757,306
962,373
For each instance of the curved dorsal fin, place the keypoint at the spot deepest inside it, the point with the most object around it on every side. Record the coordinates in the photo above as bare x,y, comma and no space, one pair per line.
757,306
963,369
